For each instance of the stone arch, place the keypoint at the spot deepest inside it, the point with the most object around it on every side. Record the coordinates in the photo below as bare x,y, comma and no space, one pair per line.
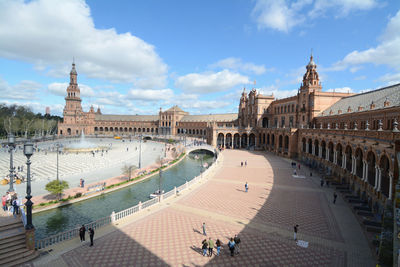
220,140
228,140
359,162
252,140
121,129
197,131
371,160
384,165
179,131
309,146
265,122
106,129
304,144
244,141
280,141
69,131
330,149
111,129
130,129
116,129
236,140
339,154
323,145
286,143
349,160
273,140
96,129
316,147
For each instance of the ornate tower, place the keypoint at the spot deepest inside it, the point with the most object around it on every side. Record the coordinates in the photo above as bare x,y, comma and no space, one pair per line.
73,107
307,89
242,109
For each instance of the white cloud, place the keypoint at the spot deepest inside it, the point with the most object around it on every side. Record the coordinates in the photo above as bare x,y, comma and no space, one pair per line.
340,90
61,89
387,52
278,94
390,78
150,95
48,33
283,15
22,90
210,81
236,64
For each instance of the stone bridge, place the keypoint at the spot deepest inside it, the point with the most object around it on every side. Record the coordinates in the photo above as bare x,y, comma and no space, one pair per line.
201,147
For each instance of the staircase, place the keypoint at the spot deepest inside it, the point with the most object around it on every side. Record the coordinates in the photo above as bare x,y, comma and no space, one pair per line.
13,249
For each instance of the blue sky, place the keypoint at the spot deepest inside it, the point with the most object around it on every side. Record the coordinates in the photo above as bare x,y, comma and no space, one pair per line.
134,57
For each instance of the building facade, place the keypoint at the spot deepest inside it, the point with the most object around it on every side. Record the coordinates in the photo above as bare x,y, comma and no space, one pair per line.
351,136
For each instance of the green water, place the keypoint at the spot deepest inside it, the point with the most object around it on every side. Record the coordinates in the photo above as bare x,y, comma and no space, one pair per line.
71,216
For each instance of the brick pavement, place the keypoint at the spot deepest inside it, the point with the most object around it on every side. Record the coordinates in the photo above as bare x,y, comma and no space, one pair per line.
171,233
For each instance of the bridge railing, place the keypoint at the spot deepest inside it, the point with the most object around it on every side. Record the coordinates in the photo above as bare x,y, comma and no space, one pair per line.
115,216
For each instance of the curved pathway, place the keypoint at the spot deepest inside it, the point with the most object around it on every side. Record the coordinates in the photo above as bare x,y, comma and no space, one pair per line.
171,234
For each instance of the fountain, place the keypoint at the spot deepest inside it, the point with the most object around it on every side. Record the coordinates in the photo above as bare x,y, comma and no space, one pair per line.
83,146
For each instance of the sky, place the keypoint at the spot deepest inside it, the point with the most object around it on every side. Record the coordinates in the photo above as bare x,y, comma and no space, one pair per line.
133,57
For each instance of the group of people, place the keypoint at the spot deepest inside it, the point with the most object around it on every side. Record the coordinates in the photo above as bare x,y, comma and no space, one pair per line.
233,244
11,203
82,232
245,163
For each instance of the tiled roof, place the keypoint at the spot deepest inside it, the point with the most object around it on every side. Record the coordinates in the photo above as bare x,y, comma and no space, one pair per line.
378,97
210,117
100,117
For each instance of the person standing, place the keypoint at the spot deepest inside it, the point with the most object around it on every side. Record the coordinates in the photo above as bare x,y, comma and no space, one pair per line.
15,205
246,187
237,244
322,182
204,246
91,235
241,164
231,245
334,197
245,163
295,232
4,202
210,247
82,231
204,229
218,244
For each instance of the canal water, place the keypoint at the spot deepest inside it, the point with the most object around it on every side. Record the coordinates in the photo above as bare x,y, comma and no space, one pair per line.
64,218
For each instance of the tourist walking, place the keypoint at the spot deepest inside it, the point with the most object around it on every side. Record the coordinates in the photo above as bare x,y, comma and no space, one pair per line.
295,232
4,202
218,244
334,197
15,205
91,235
322,182
231,245
204,247
299,166
246,187
210,247
237,244
327,183
82,231
204,229
241,164
245,163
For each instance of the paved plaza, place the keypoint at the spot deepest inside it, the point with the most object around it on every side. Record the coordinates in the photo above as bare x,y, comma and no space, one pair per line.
170,234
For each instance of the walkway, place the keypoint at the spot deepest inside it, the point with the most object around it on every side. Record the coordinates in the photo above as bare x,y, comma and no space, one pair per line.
171,234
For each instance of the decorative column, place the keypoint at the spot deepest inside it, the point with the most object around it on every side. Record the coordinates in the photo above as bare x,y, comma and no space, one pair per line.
390,184
313,149
376,176
365,170
320,151
353,165
334,156
327,154
344,161
379,170
307,148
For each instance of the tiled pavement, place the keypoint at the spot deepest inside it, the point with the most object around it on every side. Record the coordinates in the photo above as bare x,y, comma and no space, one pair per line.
170,234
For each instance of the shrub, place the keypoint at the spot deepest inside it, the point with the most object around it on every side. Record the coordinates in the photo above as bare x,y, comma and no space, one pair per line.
79,194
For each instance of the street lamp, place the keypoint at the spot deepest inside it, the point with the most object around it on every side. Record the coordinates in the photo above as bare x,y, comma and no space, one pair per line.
11,146
140,151
58,151
28,152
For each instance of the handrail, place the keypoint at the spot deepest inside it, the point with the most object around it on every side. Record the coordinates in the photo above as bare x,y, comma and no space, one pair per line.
67,235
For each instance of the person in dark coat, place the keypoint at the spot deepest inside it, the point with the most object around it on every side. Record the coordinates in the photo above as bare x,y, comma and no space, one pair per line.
334,197
91,235
82,231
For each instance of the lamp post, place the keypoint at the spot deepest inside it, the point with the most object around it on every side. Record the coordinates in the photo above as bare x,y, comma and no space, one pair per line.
28,152
140,151
11,145
58,152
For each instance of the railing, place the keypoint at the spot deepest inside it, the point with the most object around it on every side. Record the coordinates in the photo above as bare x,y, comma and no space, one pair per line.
115,216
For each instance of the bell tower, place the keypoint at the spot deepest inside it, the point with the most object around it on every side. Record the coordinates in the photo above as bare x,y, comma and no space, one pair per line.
73,107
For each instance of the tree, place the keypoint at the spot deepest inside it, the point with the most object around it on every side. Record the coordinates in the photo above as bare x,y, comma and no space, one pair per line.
56,187
128,169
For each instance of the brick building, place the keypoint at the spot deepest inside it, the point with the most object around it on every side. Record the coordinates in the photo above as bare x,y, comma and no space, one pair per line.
351,136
